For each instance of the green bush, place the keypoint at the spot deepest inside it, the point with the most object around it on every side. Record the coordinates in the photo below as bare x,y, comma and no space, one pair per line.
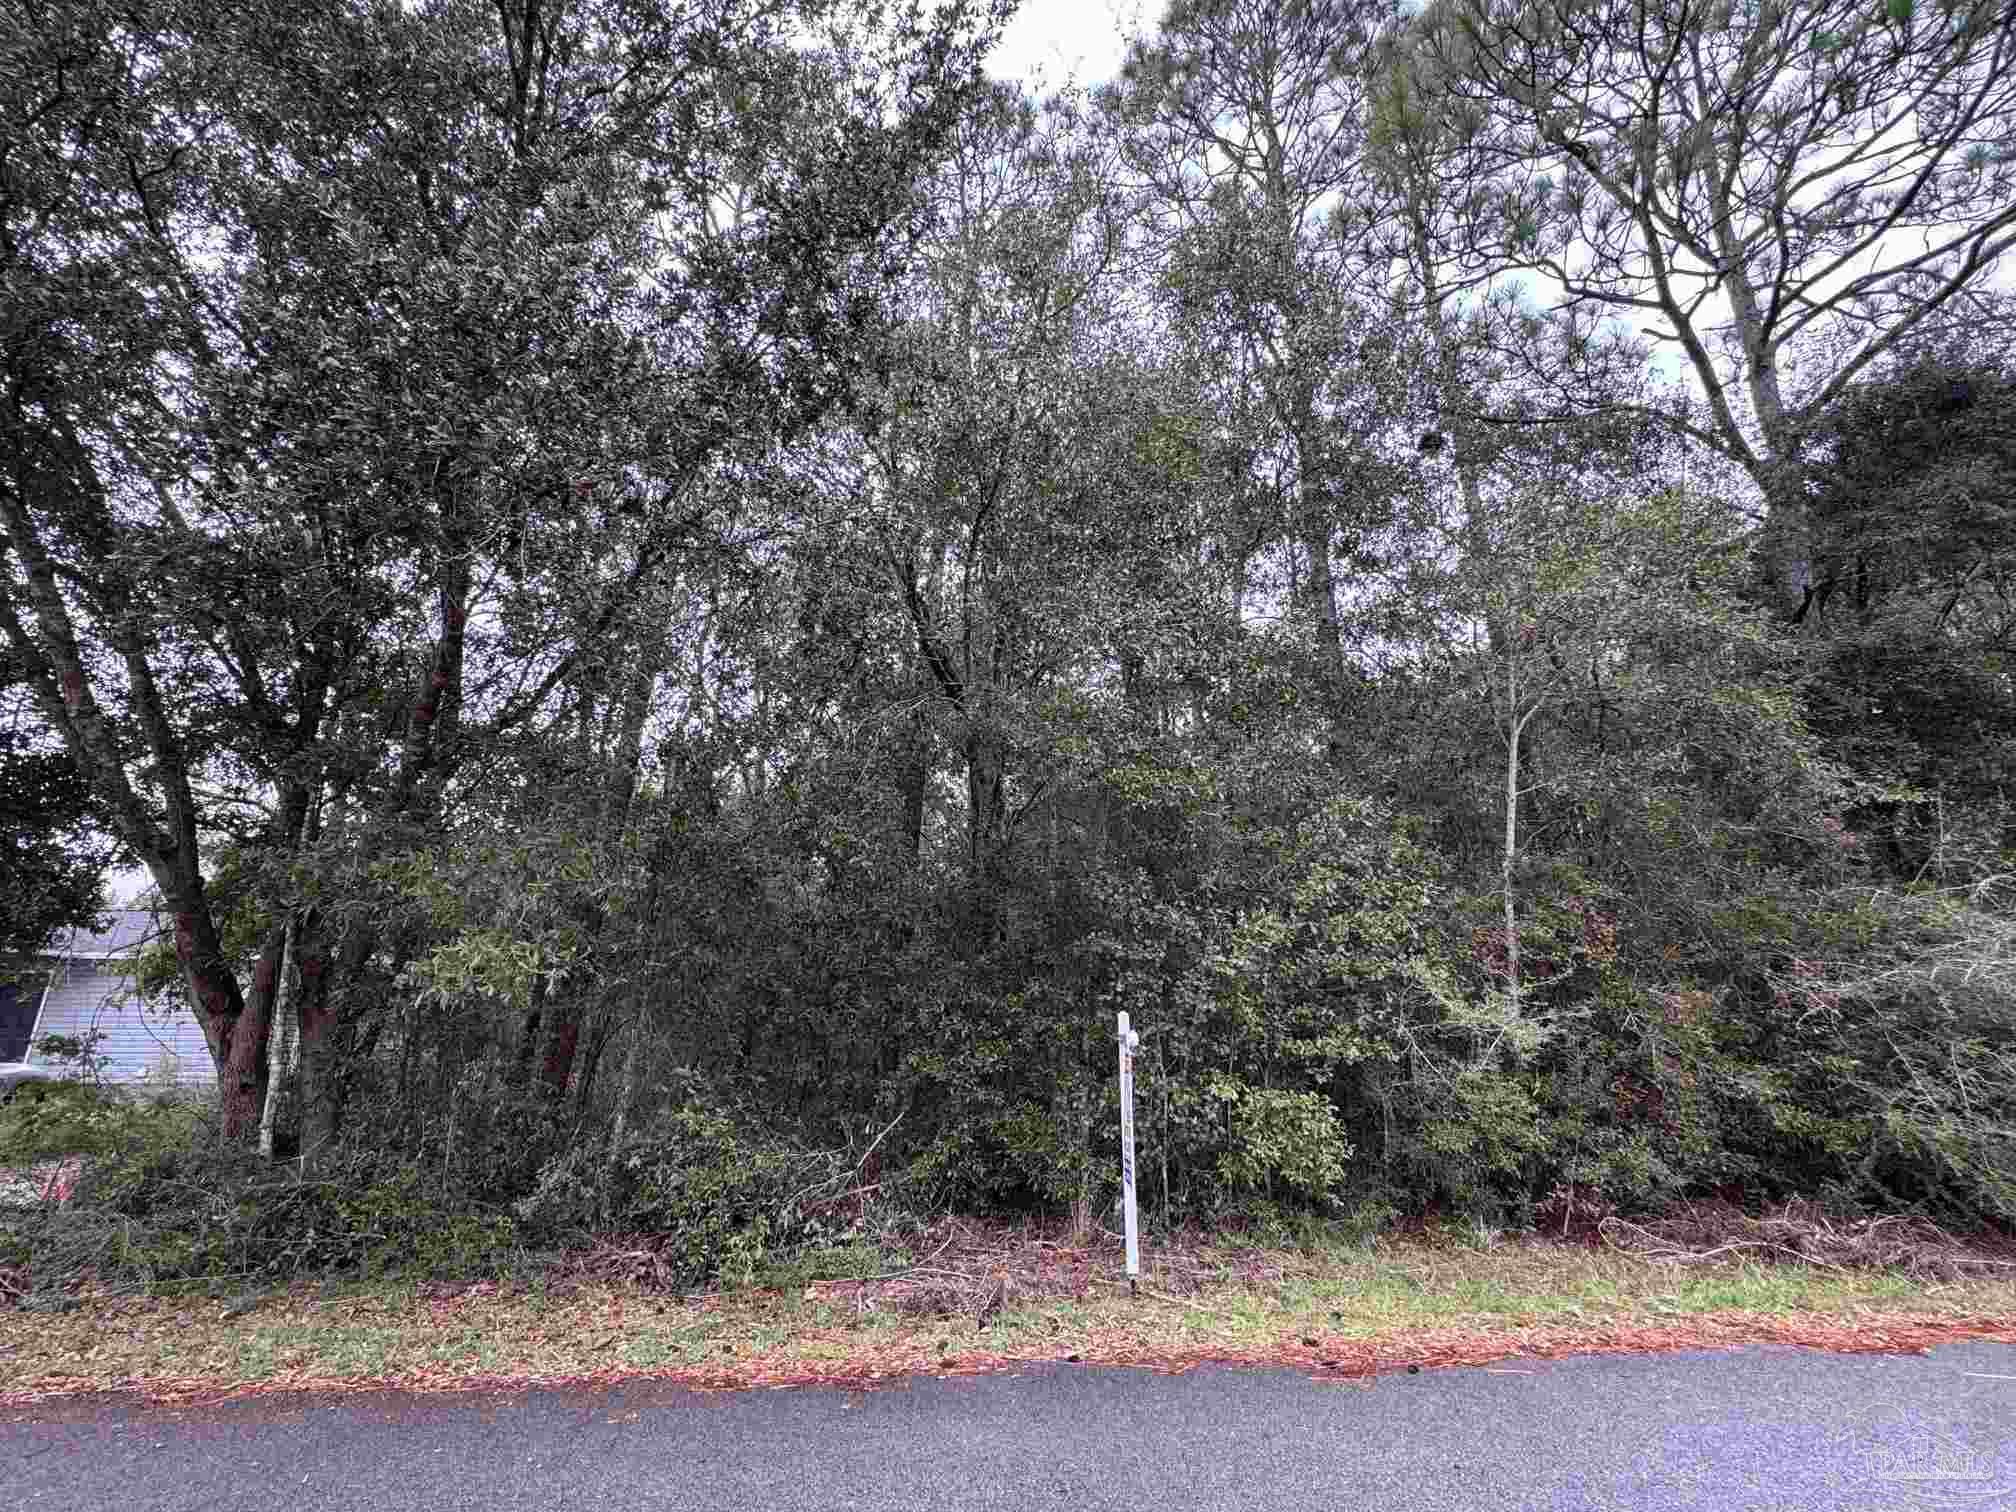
186,1207
48,1120
724,1198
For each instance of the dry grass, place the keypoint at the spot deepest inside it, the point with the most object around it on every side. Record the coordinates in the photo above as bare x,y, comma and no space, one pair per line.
969,1297
1804,1233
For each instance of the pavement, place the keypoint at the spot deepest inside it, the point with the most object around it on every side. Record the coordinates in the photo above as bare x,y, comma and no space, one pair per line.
1749,1429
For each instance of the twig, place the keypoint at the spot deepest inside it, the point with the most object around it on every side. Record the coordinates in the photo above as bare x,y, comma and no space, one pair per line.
878,1140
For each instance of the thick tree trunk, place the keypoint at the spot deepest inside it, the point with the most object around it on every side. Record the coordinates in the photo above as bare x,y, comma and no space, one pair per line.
236,1039
247,1065
56,673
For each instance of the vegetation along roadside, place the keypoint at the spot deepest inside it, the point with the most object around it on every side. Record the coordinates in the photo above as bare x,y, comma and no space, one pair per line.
658,612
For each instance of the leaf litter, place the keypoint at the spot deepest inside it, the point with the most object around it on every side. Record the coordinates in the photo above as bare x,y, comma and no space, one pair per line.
973,1298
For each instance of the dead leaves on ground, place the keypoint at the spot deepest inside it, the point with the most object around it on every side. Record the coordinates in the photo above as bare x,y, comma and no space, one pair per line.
1047,1296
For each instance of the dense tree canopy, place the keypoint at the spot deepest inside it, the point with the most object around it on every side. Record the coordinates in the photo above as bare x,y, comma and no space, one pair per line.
1914,503
52,852
625,565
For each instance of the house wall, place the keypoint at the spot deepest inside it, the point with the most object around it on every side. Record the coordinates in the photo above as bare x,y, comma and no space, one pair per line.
144,1042
17,1017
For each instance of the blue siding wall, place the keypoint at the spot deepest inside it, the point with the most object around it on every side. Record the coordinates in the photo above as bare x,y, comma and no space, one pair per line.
146,1042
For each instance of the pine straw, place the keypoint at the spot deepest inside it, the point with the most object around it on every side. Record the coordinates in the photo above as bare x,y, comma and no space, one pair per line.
1336,1359
968,1266
1803,1233
974,1268
973,1299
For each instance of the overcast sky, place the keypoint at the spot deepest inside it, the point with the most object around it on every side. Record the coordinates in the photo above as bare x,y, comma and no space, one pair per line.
1067,37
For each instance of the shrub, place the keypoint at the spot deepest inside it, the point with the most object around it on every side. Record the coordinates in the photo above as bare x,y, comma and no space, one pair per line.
721,1197
46,1120
184,1206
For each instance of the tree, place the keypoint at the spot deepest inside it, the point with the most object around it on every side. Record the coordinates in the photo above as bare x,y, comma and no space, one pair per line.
1246,123
1581,585
1913,501
1015,415
53,856
1750,177
362,365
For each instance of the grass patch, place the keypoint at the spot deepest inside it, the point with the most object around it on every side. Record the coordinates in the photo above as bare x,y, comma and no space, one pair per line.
970,1297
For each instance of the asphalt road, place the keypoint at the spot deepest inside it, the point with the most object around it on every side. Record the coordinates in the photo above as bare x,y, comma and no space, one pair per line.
1774,1429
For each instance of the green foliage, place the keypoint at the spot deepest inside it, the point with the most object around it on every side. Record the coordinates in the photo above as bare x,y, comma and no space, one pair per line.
1287,1138
1910,685
972,589
53,856
48,1120
1883,1058
172,1204
721,1198
76,1056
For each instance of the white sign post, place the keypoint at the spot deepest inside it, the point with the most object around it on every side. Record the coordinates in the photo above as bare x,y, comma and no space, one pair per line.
1128,1040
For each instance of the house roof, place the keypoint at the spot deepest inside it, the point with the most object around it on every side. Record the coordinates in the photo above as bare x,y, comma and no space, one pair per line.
130,929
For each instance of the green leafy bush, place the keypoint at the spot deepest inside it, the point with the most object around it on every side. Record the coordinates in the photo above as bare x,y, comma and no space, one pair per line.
721,1196
187,1207
47,1120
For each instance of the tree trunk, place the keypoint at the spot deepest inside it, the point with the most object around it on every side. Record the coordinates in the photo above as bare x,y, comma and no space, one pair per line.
320,1112
236,1040
622,789
1515,728
561,1019
1322,592
1314,525
913,777
563,1038
591,1063
528,1034
319,1034
633,1063
986,796
283,1035
61,685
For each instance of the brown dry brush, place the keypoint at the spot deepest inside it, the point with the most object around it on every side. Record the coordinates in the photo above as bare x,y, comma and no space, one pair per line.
977,1269
1801,1232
